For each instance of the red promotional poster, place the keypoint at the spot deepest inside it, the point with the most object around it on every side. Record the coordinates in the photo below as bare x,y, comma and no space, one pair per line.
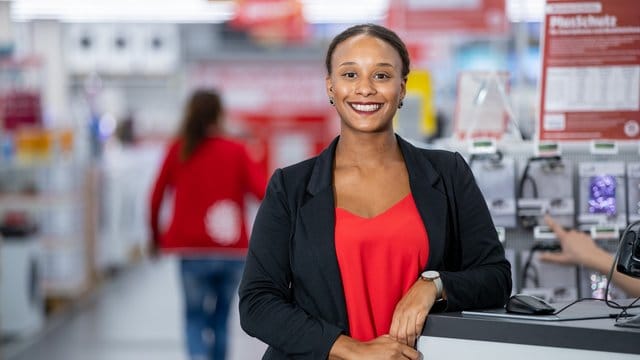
271,20
450,16
590,84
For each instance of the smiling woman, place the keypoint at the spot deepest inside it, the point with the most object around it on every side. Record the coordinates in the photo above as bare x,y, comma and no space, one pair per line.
352,249
367,85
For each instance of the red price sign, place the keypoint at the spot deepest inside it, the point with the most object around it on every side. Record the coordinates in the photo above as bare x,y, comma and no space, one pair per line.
590,86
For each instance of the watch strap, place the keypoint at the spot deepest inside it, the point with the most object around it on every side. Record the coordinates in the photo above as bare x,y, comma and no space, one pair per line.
438,283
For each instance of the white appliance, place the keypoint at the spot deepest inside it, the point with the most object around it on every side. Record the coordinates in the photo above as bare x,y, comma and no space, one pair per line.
21,299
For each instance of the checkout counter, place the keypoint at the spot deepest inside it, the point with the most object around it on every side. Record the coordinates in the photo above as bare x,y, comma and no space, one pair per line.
462,336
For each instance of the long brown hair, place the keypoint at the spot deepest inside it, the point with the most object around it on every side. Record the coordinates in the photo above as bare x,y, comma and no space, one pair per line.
203,110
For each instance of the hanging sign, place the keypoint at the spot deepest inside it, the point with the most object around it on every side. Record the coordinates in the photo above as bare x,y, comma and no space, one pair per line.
450,16
271,21
482,105
590,84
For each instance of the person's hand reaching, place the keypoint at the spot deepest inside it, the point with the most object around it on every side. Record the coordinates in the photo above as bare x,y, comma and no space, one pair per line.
578,248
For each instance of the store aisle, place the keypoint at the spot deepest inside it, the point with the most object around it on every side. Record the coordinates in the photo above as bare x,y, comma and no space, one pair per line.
137,316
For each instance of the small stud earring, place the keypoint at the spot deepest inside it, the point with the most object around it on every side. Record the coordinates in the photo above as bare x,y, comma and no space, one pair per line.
331,101
400,105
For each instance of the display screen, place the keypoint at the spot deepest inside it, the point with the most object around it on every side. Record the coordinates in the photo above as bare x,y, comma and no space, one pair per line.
602,194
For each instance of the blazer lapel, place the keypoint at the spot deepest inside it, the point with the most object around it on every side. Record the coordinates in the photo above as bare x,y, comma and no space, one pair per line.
429,194
318,217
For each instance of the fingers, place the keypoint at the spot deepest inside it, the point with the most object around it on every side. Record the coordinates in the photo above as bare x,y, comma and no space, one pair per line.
408,329
555,227
395,326
411,313
402,329
399,328
414,328
410,333
407,351
411,353
558,258
420,320
389,348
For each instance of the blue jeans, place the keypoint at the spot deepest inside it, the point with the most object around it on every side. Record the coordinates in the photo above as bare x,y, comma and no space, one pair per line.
209,286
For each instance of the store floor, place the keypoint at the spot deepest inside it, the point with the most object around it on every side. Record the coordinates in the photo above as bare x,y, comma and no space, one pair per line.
136,316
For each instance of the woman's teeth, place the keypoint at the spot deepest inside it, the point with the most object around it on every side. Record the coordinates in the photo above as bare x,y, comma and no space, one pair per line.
366,107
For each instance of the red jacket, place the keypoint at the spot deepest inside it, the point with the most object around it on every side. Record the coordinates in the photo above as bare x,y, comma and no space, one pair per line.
209,191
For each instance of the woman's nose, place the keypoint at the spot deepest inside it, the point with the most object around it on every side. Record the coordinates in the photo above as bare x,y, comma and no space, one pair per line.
365,88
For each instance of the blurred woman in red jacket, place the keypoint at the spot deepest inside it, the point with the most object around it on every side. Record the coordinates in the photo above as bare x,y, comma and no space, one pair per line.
209,175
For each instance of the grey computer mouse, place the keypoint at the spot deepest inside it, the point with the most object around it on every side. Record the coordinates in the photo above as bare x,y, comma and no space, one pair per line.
528,304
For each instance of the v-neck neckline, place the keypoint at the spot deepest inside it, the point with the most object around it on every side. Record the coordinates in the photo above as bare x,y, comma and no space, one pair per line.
396,204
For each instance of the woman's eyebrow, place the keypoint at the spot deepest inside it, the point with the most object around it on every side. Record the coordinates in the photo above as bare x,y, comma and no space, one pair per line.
349,63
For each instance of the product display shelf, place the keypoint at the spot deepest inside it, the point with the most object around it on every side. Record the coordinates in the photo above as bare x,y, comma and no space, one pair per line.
544,278
48,195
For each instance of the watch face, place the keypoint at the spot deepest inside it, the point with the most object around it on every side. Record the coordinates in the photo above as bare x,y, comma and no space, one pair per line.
430,275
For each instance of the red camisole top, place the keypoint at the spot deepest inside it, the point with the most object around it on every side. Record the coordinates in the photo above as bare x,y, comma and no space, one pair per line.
380,258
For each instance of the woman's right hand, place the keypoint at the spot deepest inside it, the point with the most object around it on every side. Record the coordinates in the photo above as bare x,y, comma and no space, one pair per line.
382,347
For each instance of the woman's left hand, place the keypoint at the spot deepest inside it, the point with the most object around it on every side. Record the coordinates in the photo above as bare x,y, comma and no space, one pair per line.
411,312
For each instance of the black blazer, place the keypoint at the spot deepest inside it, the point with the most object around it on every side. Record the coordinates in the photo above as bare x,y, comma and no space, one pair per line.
291,293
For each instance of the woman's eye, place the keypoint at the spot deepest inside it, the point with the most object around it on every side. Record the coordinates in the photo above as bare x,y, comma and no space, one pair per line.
381,76
350,75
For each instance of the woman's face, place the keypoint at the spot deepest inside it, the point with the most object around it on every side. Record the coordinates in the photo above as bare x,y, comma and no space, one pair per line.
366,83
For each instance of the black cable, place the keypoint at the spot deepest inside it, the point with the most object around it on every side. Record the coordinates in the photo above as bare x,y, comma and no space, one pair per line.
534,185
527,264
536,276
525,174
525,268
624,312
528,221
577,301
525,177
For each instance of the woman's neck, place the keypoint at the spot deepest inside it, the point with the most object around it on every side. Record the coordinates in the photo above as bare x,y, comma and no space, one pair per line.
367,149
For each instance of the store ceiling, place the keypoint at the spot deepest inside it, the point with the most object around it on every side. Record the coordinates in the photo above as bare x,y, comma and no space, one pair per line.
123,10
185,11
206,11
